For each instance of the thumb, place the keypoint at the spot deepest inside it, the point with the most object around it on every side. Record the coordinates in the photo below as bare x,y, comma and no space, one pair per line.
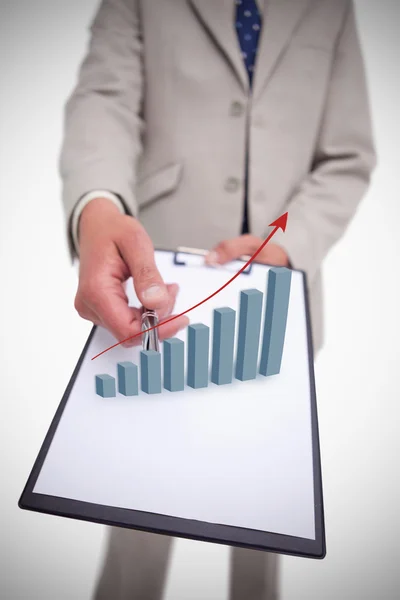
138,253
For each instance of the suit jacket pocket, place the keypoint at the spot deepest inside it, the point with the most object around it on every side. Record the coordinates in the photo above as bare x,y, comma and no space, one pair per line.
158,184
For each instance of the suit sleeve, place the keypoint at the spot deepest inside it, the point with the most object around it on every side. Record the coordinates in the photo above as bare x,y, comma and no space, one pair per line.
327,199
103,126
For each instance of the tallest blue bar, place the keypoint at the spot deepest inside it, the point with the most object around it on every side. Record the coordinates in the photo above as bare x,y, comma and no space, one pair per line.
276,312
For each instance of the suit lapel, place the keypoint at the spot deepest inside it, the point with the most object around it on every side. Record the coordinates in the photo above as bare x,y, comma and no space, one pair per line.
217,16
280,18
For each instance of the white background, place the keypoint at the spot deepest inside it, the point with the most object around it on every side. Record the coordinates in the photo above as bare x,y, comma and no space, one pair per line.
42,557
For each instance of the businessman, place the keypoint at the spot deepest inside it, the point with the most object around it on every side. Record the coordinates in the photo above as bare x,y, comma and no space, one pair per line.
198,123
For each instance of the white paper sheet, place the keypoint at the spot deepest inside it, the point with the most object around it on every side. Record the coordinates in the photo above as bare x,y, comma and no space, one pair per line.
238,454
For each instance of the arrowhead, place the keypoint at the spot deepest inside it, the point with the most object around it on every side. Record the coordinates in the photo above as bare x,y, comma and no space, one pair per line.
281,222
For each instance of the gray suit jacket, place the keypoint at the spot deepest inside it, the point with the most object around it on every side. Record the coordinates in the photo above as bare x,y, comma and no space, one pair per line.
162,113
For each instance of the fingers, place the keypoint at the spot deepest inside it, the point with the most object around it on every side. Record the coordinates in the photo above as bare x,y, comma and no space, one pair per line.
138,252
107,305
170,329
105,263
86,312
109,309
232,249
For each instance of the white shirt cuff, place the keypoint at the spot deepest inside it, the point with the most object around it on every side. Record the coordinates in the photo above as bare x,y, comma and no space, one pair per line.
81,205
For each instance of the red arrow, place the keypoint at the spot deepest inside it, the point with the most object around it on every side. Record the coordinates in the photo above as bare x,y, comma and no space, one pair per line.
280,223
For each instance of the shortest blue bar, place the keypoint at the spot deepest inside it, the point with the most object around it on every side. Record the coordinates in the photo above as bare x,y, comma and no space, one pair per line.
128,379
150,371
105,386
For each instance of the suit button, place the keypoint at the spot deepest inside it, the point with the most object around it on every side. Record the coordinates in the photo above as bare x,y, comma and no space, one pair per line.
232,184
237,109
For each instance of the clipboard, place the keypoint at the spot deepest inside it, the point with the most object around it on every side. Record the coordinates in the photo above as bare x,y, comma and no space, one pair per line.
237,465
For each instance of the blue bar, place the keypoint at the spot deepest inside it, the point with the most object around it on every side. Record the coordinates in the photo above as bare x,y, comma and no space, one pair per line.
223,343
174,367
105,386
276,311
198,353
249,334
128,379
150,371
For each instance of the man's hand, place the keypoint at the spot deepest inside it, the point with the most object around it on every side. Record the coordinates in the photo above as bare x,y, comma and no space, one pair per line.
228,250
114,247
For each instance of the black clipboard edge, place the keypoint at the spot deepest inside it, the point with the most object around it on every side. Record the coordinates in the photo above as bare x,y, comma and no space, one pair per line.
175,526
318,490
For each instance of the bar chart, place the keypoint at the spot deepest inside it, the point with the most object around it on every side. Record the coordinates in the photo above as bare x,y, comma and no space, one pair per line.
259,327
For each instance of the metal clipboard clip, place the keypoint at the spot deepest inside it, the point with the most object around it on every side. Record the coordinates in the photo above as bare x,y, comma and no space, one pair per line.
150,339
199,252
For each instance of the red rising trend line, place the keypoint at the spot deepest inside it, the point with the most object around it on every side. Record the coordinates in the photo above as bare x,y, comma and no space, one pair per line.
280,223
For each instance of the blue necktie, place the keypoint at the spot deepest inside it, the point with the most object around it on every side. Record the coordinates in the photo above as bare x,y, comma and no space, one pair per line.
248,27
